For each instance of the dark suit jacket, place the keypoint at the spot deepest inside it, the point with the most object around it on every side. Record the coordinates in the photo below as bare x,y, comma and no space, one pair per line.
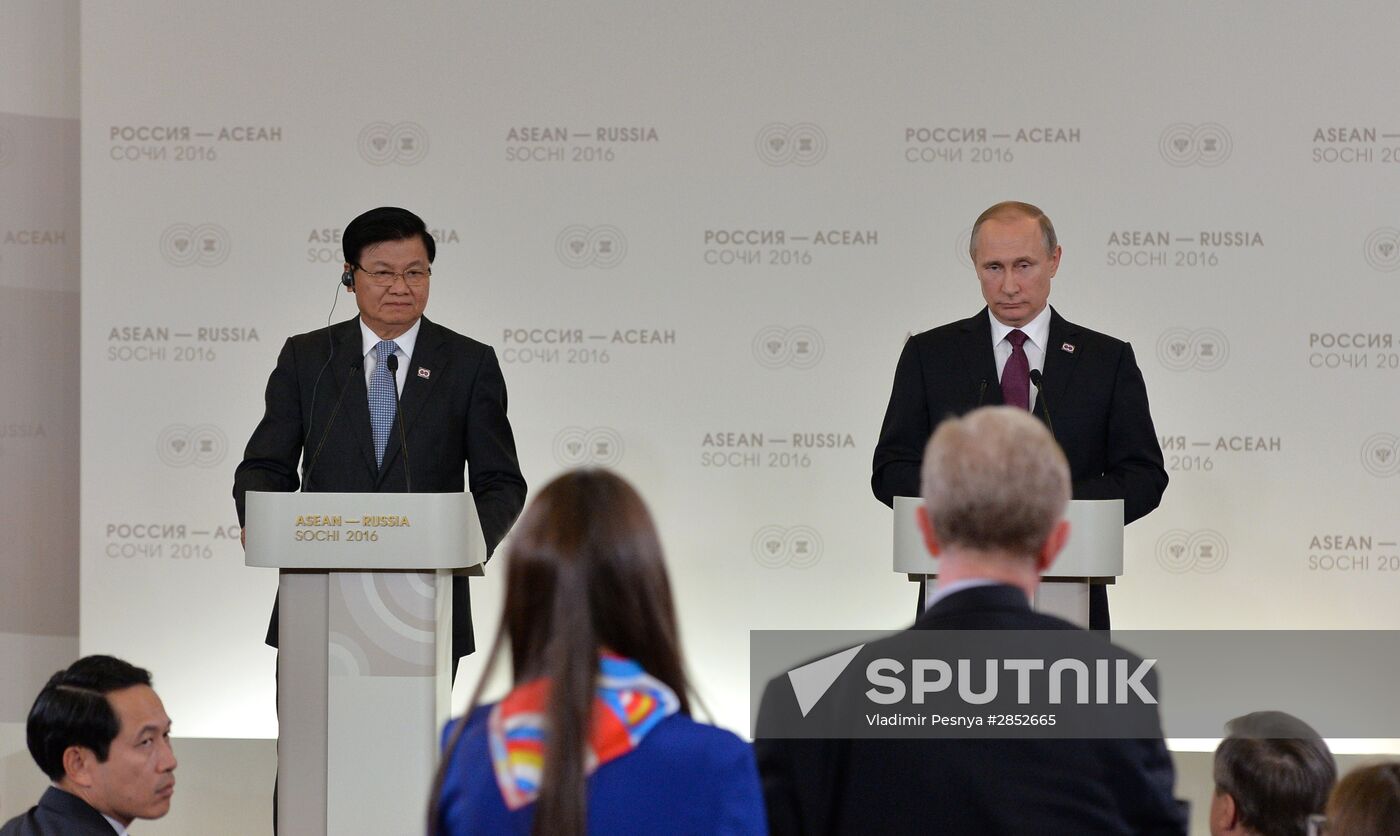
964,786
58,813
1096,397
454,419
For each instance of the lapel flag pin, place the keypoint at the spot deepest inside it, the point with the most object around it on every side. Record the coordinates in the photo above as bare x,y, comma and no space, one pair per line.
1067,348
424,373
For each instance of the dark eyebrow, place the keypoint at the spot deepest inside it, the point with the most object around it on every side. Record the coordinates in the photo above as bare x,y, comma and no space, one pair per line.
384,265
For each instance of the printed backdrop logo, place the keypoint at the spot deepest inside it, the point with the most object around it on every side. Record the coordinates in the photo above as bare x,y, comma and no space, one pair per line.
404,143
1205,145
204,445
1182,349
1383,249
801,144
964,246
798,347
206,245
397,640
6,143
777,547
588,446
1192,551
581,246
1380,455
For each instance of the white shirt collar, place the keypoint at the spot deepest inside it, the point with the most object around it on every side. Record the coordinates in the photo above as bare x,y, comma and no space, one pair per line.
405,341
1037,330
116,825
938,591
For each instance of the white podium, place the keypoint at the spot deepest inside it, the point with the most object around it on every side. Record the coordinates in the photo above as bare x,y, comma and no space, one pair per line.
1093,555
364,664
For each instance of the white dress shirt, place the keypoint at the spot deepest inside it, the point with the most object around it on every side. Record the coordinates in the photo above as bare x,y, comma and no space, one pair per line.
937,591
1037,333
404,352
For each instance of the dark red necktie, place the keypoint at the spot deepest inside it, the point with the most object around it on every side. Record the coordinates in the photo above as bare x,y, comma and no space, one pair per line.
1016,377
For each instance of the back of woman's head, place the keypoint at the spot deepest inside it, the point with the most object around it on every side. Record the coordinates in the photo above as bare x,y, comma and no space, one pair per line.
584,574
1366,802
585,570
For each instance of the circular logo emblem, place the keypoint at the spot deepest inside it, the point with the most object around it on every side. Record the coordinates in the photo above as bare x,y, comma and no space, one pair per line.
588,446
403,143
1206,145
778,547
798,347
1182,349
1380,455
204,445
1181,551
183,245
964,246
581,246
780,144
1383,249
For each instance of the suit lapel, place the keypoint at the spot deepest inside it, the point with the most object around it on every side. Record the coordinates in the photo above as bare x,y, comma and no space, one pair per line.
979,360
356,406
430,356
1060,357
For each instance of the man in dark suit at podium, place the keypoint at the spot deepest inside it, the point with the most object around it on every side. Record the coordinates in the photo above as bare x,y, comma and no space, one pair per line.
1019,351
995,488
389,401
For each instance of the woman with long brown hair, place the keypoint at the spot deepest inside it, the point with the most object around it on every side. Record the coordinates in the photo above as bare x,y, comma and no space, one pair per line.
1366,802
596,735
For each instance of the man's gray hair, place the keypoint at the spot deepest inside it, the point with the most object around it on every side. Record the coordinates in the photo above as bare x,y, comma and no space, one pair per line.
995,479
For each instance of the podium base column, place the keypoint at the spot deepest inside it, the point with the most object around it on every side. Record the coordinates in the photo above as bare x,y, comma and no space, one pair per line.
1066,598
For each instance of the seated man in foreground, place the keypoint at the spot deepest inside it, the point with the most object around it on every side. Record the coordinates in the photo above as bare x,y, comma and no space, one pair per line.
995,490
101,734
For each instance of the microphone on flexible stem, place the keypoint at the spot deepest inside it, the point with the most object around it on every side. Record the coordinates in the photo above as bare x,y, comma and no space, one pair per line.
982,392
1040,393
393,363
326,433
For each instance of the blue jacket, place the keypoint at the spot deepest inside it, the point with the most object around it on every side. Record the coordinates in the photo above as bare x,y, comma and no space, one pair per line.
684,778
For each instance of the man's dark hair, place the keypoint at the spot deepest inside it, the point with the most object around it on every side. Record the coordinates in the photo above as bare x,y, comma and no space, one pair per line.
1277,769
387,223
72,710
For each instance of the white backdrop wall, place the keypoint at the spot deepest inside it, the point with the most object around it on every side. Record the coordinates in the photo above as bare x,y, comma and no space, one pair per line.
39,378
697,235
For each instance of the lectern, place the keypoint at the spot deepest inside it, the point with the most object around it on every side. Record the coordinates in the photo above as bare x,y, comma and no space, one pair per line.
1093,555
364,664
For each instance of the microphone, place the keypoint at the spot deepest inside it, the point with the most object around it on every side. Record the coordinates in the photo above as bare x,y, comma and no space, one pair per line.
982,392
354,366
326,433
393,363
1040,393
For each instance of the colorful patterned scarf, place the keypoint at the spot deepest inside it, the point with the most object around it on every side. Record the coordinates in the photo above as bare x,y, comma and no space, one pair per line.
628,704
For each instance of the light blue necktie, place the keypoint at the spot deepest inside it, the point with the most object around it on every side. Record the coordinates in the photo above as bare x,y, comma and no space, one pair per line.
383,398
